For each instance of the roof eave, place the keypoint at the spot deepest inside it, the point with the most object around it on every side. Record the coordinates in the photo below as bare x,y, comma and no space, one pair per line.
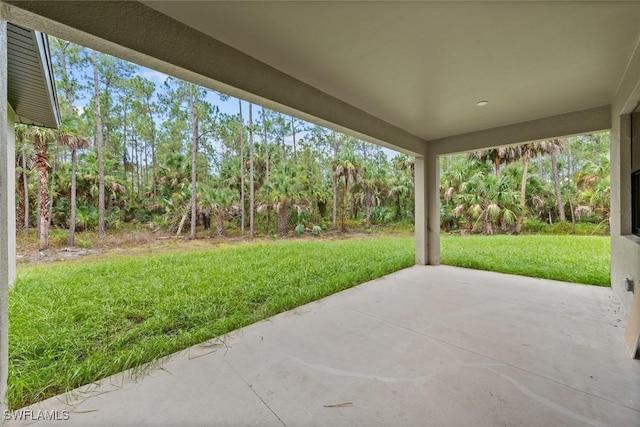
33,95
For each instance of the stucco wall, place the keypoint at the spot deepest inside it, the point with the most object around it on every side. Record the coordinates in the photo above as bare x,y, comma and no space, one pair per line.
625,247
7,238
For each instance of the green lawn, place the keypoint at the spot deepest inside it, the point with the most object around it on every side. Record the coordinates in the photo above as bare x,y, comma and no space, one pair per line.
580,259
76,322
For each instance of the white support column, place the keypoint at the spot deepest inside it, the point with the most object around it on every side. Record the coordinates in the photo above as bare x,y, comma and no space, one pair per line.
420,211
7,214
427,209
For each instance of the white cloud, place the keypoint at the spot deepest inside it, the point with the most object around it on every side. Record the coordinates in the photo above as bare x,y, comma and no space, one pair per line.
155,76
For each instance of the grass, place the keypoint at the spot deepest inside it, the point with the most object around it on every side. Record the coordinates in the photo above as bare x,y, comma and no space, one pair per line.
73,323
580,259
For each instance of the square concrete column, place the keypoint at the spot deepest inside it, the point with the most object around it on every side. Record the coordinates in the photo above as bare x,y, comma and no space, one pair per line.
427,209
7,213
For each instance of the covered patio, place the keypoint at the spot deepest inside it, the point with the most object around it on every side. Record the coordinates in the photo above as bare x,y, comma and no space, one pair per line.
423,346
431,344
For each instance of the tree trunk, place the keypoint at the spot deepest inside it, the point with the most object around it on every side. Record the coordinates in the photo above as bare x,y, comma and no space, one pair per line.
468,224
133,171
145,175
41,165
194,158
487,226
367,210
38,203
355,208
99,146
523,193
293,131
266,144
206,221
72,207
52,190
25,189
541,171
334,182
334,188
281,124
266,157
268,225
573,216
154,185
252,195
242,208
496,162
124,138
154,180
183,219
138,163
20,207
283,220
569,164
220,225
345,201
556,182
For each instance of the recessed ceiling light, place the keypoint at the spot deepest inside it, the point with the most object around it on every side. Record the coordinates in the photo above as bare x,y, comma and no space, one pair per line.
482,103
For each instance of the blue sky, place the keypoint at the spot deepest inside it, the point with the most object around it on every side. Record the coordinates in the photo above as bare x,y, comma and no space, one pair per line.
229,106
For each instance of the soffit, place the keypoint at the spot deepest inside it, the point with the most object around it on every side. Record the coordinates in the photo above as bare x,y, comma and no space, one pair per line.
31,89
423,66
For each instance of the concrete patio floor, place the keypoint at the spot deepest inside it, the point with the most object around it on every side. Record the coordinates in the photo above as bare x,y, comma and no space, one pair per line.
439,346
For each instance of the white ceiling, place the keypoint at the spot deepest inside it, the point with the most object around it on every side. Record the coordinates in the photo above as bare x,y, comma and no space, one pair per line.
423,66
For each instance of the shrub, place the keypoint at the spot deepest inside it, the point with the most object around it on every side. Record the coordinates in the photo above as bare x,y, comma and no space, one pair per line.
537,226
533,225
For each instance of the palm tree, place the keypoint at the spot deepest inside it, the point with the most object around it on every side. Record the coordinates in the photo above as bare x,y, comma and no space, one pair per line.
335,145
496,155
218,202
487,199
67,136
592,172
400,185
349,168
528,152
554,149
370,185
598,197
452,179
41,139
282,192
179,204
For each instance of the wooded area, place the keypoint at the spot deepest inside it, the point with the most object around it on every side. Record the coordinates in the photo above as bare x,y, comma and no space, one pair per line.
165,156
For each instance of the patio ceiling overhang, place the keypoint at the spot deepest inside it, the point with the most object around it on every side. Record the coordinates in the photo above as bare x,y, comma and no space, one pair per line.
31,88
401,74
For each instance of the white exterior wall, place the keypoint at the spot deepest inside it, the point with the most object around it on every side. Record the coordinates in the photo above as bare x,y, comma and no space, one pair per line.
7,214
625,247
